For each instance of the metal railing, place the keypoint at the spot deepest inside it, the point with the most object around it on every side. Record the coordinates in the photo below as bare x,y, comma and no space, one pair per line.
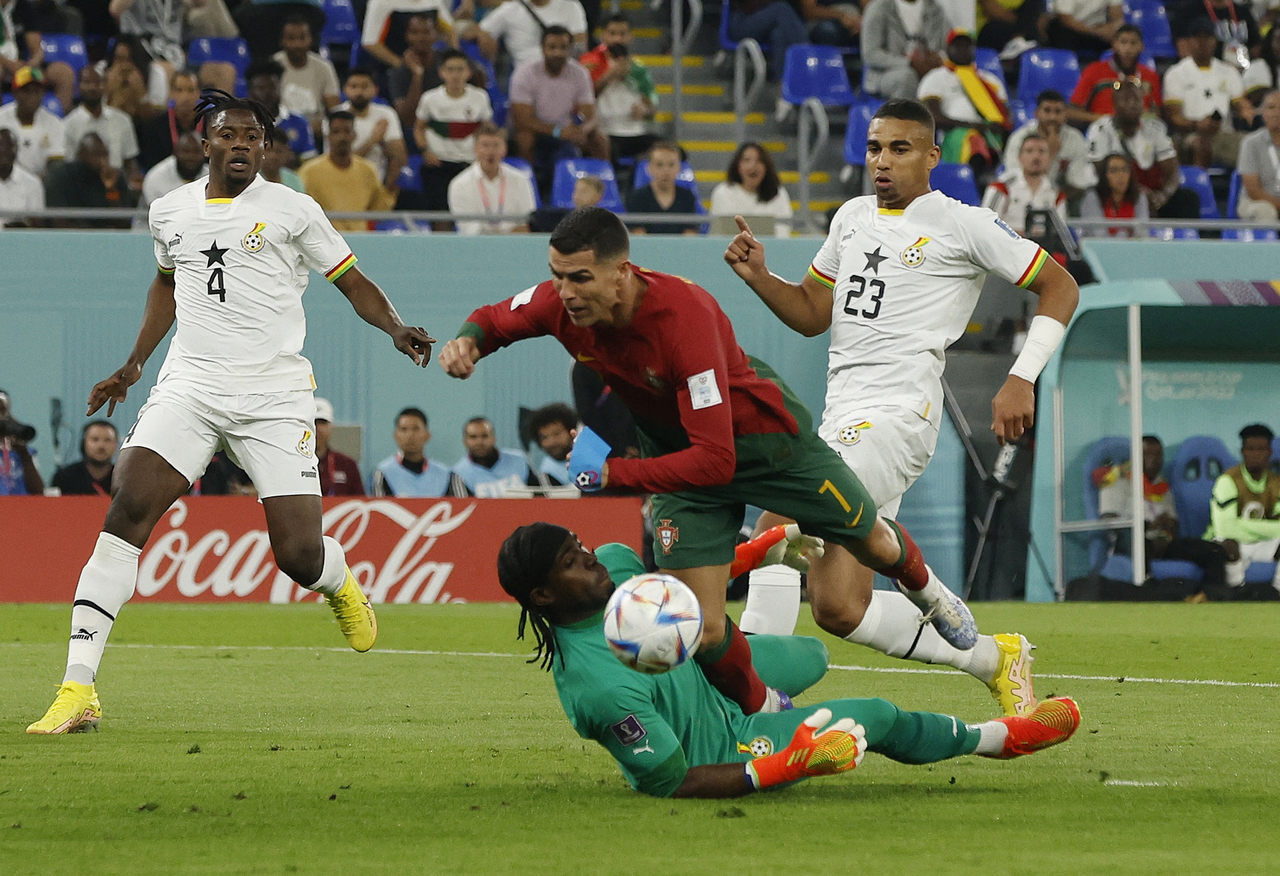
747,59
812,117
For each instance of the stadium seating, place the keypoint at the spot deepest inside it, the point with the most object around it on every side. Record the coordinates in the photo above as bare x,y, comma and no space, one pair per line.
225,50
1197,179
1233,195
523,166
410,178
69,48
1149,16
855,133
956,181
341,28
816,71
1021,112
1174,233
1041,68
989,60
569,169
722,34
685,177
1249,235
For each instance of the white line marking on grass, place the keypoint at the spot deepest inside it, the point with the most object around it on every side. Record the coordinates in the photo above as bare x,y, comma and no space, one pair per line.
1121,783
1126,678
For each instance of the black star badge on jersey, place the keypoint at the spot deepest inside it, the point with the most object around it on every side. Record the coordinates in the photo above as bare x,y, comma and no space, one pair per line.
873,261
214,255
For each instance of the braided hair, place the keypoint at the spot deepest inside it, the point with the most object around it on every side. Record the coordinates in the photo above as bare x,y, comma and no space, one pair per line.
524,562
215,100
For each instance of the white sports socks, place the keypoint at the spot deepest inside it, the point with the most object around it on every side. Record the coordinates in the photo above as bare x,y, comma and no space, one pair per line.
334,572
892,626
106,583
993,735
773,601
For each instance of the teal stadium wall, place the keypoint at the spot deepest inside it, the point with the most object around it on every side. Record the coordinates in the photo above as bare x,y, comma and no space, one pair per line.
71,303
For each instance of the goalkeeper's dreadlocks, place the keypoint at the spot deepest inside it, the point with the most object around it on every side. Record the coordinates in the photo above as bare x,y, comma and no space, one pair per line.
524,561
215,100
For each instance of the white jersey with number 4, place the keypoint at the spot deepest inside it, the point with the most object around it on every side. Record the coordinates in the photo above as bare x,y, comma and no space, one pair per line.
240,267
905,283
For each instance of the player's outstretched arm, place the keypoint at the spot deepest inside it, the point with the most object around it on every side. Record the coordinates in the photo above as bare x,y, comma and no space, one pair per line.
157,319
804,307
459,356
373,306
1013,410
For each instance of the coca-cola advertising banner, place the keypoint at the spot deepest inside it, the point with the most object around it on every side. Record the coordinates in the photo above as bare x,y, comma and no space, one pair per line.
213,548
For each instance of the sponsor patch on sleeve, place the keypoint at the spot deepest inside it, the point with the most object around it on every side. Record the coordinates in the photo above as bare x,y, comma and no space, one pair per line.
629,730
703,391
1007,230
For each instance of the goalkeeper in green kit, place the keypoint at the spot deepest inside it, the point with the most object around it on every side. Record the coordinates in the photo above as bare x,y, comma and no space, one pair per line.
674,735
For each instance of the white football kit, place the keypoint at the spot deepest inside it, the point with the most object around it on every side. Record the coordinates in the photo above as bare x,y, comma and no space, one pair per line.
905,284
234,375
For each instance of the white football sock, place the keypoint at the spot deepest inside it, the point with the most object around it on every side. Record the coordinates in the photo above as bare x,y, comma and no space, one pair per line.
333,574
892,626
106,583
773,601
994,733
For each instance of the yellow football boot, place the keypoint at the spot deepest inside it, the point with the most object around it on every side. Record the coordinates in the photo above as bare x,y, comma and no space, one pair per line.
1011,684
355,615
75,710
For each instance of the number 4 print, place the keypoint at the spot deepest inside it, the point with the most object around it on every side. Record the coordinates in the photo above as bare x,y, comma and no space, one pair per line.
216,285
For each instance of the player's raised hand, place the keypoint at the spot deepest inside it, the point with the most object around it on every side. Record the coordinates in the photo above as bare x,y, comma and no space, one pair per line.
414,342
114,389
838,748
458,357
1013,410
745,253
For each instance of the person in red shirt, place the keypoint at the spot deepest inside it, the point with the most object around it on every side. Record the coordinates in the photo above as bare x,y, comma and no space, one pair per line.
718,429
339,473
1092,98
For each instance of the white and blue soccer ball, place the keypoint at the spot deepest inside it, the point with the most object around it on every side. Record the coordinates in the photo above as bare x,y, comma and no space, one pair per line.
653,623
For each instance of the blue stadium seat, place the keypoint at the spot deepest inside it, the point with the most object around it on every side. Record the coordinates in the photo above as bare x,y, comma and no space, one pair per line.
1233,195
855,133
53,105
685,177
1196,465
341,27
410,179
989,60
68,48
1197,179
1149,16
523,166
225,50
1174,233
1250,234
815,71
1022,112
569,169
956,181
1041,68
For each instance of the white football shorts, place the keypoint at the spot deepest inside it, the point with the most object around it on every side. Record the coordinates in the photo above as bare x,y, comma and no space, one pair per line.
887,448
270,435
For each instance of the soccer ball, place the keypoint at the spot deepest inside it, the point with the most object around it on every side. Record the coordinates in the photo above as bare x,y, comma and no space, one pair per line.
653,623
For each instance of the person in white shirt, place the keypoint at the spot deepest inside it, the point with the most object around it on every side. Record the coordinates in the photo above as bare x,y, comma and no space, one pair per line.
1069,166
115,128
896,283
1201,93
491,187
383,32
379,137
185,165
40,134
520,24
309,85
970,106
19,189
233,259
1026,187
445,126
1083,25
1259,166
752,188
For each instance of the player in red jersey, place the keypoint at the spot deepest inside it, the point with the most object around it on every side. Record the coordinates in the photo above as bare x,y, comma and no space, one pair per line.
718,429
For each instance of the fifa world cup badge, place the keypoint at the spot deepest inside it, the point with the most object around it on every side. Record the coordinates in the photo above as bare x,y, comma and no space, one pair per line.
668,535
913,256
254,241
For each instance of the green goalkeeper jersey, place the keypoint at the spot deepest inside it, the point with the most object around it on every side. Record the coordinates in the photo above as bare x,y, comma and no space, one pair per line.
657,726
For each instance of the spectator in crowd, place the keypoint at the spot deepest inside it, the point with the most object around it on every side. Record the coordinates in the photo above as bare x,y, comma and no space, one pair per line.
1146,141
418,72
40,134
1258,167
207,18
1008,26
553,427
343,182
1069,166
158,135
773,23
1026,187
625,93
383,34
522,26
752,188
832,22
1201,94
278,160
309,83
262,21
113,126
89,181
222,477
1233,25
91,476
127,78
1244,514
901,41
970,107
661,194
19,475
379,137
1264,73
1092,97
22,24
185,165
339,474
157,25
487,471
1117,195
587,191
1083,26
491,187
445,127
1160,517
409,474
19,189
264,78
553,109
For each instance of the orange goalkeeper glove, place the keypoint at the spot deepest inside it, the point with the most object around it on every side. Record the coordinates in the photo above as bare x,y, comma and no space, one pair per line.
778,544
838,748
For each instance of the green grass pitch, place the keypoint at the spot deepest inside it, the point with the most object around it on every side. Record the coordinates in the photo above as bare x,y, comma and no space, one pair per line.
245,739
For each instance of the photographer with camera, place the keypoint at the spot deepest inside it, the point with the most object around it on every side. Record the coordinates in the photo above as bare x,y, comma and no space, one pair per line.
18,473
625,93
